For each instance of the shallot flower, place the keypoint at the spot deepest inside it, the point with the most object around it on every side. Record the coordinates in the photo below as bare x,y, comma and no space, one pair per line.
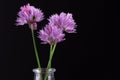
51,34
63,21
29,15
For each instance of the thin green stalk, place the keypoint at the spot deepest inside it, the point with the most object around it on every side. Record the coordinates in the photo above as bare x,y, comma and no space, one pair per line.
36,53
52,49
51,56
35,49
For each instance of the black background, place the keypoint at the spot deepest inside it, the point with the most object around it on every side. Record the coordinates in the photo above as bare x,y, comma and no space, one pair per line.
80,56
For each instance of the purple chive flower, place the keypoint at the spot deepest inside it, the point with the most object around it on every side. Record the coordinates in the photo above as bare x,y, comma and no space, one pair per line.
64,21
29,15
51,34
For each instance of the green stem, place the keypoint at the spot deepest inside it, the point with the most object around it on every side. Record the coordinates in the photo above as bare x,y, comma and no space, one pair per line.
51,56
52,49
35,49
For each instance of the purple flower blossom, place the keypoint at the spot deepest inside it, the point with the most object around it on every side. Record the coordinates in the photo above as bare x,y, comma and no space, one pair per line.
51,34
63,21
29,15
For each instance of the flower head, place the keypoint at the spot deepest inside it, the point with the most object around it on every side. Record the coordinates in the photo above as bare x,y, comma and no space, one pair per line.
63,21
29,15
51,34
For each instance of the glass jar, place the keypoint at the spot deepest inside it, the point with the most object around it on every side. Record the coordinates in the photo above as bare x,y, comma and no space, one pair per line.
44,74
